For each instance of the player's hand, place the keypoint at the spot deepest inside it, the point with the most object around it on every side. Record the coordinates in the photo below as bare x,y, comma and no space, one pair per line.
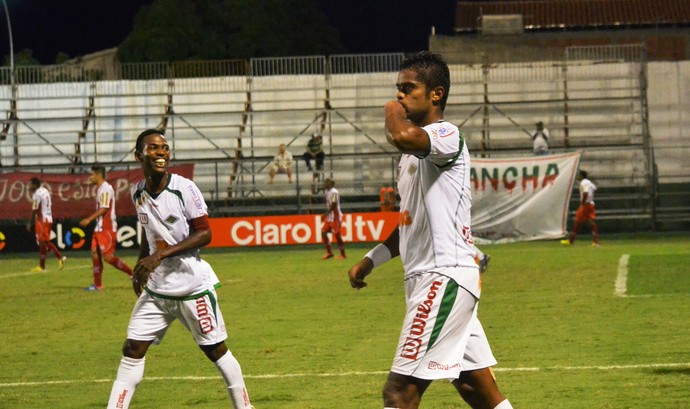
84,222
359,271
143,270
139,278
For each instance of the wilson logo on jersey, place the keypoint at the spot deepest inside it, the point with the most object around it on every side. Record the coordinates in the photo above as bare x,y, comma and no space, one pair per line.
143,218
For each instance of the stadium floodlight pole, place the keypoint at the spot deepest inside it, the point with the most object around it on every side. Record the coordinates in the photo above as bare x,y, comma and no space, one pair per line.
9,31
12,84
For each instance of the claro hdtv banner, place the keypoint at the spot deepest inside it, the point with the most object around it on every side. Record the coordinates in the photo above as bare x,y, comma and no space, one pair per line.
302,229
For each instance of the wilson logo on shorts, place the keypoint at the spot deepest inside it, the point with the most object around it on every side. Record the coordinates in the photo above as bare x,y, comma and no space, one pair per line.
205,321
414,342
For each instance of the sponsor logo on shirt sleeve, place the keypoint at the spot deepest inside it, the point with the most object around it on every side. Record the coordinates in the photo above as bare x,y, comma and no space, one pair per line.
442,131
198,201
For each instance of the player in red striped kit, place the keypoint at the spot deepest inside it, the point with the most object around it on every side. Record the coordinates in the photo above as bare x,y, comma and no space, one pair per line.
42,219
586,212
103,240
332,220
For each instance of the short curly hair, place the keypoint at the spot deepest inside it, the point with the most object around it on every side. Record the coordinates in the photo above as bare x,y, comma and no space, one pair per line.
431,69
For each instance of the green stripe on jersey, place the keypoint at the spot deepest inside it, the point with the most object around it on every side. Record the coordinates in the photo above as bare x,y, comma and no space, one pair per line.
457,155
183,297
447,303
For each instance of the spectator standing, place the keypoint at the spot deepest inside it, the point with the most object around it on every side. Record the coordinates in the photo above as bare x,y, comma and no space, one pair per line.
333,219
170,279
41,220
586,211
104,238
442,337
282,163
540,140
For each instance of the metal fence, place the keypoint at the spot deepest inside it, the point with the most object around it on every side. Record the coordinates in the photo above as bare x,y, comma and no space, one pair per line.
233,114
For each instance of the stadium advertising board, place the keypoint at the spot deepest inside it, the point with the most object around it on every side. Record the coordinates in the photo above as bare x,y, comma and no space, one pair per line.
302,229
73,196
67,235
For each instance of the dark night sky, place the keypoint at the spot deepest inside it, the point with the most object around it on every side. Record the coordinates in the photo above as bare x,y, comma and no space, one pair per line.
79,27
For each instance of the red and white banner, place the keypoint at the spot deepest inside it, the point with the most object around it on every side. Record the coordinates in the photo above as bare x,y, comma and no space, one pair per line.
522,198
73,195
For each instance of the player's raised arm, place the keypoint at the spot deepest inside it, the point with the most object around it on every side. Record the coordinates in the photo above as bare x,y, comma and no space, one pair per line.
374,258
403,134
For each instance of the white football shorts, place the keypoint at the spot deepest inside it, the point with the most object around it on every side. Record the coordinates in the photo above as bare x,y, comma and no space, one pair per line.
441,334
152,316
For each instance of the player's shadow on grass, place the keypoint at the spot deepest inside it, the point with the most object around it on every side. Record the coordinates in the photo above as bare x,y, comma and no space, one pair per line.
672,371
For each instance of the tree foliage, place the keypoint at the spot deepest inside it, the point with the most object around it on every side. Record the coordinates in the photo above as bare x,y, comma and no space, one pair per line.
176,30
23,58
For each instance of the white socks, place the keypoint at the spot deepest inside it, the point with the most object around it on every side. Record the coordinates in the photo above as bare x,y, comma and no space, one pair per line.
129,374
232,374
504,405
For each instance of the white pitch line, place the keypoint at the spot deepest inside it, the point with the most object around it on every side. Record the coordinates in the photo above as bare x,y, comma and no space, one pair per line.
622,276
355,373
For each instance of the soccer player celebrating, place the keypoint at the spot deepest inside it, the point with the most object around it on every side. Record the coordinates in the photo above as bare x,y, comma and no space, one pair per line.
333,220
41,220
170,279
104,234
442,337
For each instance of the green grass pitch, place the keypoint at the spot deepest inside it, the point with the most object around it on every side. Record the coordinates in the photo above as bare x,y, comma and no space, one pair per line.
563,336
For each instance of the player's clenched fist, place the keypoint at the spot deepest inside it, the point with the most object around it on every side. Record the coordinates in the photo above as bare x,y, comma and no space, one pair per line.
359,271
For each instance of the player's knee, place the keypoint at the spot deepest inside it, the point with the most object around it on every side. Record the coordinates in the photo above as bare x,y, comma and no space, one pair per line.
400,392
467,391
214,352
135,349
393,396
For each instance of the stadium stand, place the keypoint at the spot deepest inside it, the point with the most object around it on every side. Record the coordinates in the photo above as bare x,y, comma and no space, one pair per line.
226,117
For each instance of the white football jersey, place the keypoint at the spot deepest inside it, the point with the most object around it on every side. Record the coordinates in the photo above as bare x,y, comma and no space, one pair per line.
333,196
435,221
165,218
105,199
586,186
43,203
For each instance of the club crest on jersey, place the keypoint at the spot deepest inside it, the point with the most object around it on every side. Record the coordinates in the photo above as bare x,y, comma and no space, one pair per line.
171,219
442,131
412,169
143,218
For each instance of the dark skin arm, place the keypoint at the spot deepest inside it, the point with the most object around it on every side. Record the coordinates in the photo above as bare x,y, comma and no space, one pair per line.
363,267
148,262
403,134
32,220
